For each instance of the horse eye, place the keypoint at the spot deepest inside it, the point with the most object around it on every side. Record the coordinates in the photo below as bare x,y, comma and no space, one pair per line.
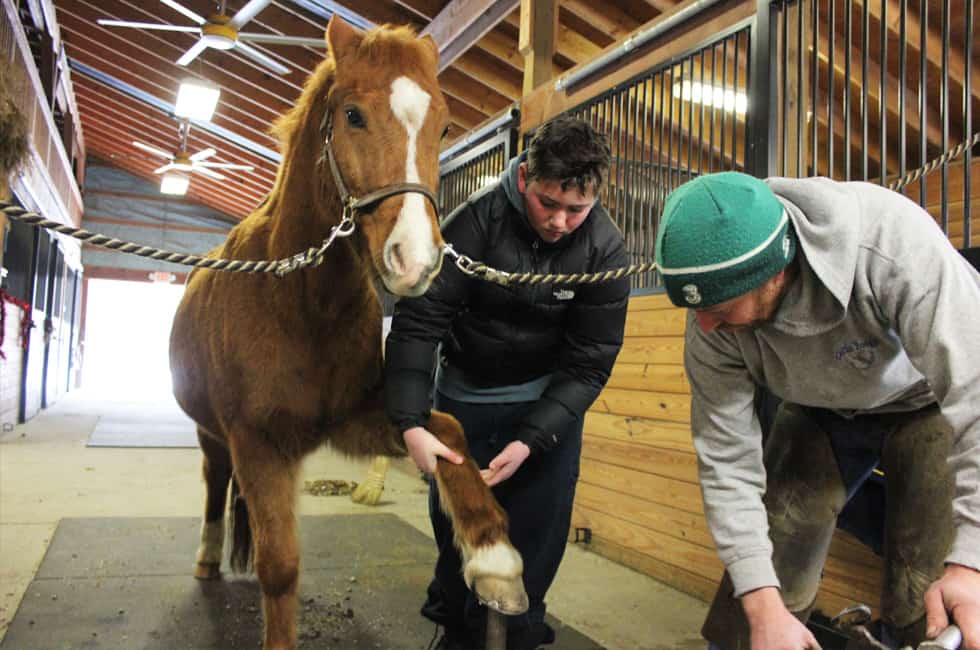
355,119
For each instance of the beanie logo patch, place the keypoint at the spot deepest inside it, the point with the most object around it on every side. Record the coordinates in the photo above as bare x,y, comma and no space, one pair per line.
786,245
691,294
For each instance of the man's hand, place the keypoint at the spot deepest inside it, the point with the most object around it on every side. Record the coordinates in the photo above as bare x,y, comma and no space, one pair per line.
425,449
506,463
771,624
956,592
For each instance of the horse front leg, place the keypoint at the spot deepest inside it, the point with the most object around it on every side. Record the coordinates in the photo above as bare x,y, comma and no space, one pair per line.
267,480
492,567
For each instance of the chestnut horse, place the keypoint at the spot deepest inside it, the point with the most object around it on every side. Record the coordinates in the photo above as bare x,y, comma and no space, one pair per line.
271,368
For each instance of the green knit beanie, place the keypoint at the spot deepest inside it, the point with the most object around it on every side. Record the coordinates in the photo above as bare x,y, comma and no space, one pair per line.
721,236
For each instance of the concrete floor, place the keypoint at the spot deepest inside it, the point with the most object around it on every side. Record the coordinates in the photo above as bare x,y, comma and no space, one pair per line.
47,472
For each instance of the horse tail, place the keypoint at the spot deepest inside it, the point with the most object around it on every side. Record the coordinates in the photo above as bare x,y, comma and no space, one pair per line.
241,531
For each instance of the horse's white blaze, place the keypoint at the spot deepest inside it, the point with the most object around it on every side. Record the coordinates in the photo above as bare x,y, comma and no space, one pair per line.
212,539
413,232
499,559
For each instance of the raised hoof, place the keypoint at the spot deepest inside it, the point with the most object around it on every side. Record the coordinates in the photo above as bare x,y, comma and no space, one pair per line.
504,595
207,571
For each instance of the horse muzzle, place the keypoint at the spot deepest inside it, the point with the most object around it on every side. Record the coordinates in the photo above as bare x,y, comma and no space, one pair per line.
410,276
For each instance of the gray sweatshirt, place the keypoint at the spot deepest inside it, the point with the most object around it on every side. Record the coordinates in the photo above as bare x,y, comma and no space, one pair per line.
882,318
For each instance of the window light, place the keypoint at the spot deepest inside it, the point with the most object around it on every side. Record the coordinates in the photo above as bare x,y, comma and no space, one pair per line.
713,96
196,99
174,183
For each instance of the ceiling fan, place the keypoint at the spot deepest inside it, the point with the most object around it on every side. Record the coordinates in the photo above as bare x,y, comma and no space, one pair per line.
181,161
221,32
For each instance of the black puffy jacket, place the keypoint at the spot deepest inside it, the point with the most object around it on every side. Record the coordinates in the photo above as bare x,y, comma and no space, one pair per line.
499,335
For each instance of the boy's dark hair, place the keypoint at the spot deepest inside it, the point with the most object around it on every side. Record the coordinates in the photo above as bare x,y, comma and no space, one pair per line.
570,151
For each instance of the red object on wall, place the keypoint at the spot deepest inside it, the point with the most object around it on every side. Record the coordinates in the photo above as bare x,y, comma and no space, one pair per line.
25,325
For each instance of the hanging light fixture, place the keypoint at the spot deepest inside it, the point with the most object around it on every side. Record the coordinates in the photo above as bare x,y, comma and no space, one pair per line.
174,183
197,99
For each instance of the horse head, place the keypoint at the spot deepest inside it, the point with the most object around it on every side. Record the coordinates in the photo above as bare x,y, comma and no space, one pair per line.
374,106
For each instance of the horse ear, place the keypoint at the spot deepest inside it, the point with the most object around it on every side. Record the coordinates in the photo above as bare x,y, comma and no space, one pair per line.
432,46
342,38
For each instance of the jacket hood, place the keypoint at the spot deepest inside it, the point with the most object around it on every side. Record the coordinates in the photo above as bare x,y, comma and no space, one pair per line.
508,180
818,299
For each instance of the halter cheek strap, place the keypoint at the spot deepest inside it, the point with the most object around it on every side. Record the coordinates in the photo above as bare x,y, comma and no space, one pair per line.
355,204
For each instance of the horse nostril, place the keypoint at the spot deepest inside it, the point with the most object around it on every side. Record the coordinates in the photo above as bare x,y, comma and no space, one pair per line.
395,261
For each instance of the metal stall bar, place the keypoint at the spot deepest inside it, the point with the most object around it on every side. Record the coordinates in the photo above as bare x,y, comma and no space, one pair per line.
831,34
799,89
944,112
923,89
902,90
882,111
968,128
848,8
814,86
864,91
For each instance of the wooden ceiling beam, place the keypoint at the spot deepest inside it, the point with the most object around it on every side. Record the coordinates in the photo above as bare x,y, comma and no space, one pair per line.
473,93
476,67
571,45
607,17
461,23
539,26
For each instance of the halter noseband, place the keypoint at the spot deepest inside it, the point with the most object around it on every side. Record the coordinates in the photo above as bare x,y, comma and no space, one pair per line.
353,204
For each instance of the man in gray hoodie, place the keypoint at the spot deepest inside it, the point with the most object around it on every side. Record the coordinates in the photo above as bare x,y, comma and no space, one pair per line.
847,302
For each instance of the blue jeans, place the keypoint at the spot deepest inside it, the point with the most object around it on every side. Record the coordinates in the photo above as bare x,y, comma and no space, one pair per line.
538,500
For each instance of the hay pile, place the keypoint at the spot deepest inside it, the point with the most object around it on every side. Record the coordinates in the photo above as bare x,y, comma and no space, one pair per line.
13,132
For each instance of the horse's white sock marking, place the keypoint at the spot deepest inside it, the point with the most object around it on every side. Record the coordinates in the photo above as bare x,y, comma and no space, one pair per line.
498,559
410,104
212,540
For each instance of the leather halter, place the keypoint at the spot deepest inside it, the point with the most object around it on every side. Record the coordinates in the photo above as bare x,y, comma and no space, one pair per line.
354,204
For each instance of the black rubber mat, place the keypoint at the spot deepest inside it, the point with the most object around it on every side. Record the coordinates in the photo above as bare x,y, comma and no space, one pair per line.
126,583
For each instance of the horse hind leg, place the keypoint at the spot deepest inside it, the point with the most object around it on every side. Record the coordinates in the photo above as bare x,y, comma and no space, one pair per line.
217,474
492,567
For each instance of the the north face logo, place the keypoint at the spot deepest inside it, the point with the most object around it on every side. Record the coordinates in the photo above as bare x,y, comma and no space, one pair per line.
564,294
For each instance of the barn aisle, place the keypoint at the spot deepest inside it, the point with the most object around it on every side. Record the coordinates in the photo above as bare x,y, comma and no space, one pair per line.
48,475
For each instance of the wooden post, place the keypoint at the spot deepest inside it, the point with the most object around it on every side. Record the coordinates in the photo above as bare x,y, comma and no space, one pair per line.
538,35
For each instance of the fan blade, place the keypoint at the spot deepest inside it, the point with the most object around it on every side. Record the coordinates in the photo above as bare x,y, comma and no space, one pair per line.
192,53
208,172
248,12
259,57
165,168
225,166
184,10
159,26
278,39
203,154
159,152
